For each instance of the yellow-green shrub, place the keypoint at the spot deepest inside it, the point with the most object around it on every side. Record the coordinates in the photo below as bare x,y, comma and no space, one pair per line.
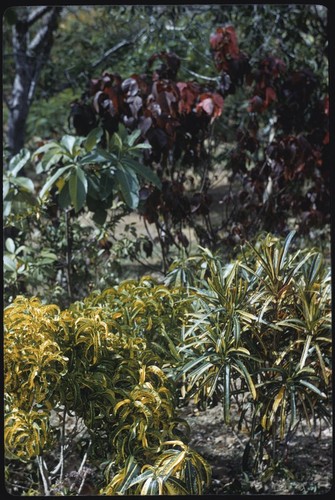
105,360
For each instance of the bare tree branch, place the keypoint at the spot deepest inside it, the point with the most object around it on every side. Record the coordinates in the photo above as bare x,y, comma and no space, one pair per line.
37,14
43,33
118,46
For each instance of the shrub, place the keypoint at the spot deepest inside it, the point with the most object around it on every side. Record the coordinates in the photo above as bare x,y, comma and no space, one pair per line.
103,360
259,336
253,334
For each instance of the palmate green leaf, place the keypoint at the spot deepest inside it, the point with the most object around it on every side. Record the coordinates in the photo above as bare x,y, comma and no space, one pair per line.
78,188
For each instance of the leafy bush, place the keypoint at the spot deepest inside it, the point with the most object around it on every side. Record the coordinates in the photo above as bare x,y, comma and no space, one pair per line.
259,337
104,360
254,335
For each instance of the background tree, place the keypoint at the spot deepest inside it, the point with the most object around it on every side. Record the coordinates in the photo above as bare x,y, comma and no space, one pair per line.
32,39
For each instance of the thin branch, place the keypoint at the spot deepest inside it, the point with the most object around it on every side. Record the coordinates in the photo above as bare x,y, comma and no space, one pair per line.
43,471
84,459
68,236
62,447
82,483
44,32
118,46
201,76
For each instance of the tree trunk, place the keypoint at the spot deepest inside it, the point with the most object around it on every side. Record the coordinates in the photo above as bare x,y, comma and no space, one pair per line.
29,57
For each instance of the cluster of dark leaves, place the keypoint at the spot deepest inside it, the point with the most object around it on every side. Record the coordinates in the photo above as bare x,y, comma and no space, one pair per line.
290,180
293,177
172,116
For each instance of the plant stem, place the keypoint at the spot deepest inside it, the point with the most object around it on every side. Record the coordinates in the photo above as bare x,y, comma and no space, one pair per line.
68,236
62,447
44,475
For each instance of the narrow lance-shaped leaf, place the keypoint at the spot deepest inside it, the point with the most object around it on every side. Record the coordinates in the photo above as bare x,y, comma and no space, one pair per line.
226,400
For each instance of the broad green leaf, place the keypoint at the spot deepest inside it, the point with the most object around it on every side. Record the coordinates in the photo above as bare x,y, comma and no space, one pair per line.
18,161
9,264
132,137
7,208
106,184
100,216
143,145
99,155
64,198
5,188
143,171
117,141
69,141
129,186
53,179
93,138
50,159
24,183
46,147
78,188
10,245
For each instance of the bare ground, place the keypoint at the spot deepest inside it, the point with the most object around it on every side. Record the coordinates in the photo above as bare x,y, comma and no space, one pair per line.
309,458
